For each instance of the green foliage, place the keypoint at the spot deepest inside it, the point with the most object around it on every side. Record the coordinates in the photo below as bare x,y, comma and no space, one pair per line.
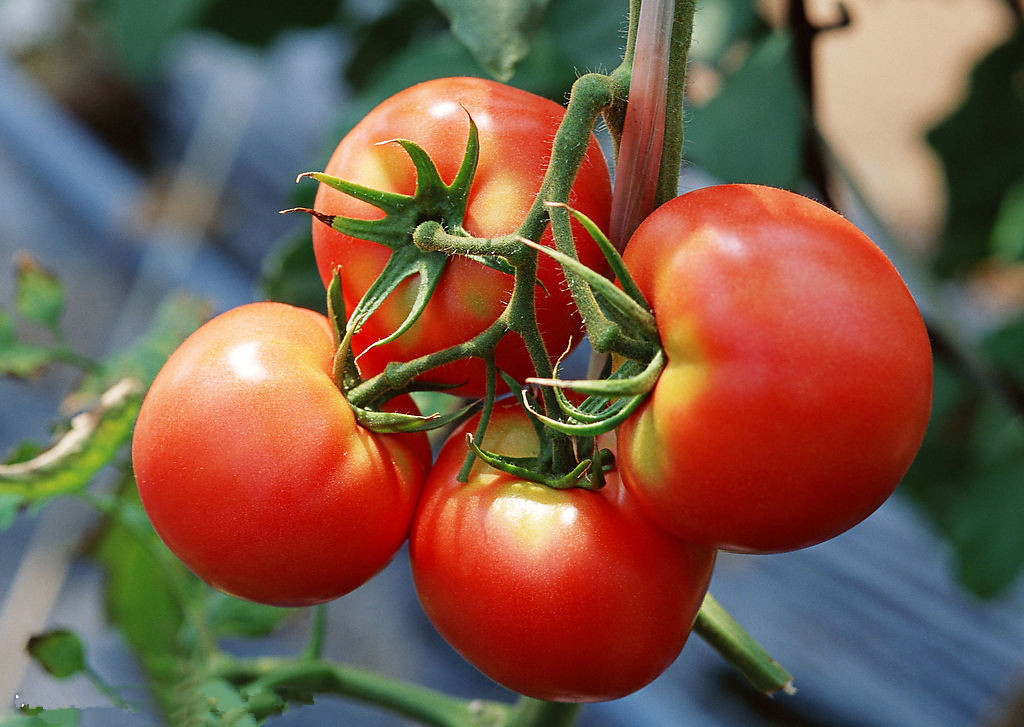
718,25
40,295
967,476
59,652
234,617
497,32
141,31
38,717
90,443
17,358
38,301
981,147
752,130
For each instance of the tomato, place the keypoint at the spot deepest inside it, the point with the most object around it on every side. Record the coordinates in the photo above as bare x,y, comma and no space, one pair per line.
798,382
254,471
516,130
564,595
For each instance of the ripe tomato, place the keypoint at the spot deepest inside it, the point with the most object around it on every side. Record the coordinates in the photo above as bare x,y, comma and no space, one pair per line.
564,595
516,130
253,470
798,383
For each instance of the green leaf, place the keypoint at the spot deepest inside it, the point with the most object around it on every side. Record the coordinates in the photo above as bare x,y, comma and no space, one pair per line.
230,616
1007,240
38,717
227,708
966,478
92,440
258,23
141,31
497,32
59,652
981,147
17,359
39,295
289,274
717,25
751,131
140,594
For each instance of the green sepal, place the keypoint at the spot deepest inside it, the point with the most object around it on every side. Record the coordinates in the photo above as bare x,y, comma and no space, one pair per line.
389,422
615,261
392,232
403,263
388,202
638,384
530,469
604,290
594,428
344,370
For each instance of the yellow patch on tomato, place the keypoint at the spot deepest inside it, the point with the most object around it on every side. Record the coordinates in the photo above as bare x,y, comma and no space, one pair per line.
532,515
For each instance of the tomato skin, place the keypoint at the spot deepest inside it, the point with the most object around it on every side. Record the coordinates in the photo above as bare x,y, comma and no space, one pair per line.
798,384
516,129
563,595
254,471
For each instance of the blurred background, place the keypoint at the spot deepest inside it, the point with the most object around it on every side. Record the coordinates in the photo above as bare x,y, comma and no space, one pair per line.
146,149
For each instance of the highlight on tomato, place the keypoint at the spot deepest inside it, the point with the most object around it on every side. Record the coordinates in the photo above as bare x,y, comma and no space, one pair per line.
563,595
252,467
799,376
516,129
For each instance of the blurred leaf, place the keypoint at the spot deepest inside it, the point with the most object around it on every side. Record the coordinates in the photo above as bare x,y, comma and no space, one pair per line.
93,439
967,477
379,41
59,652
141,31
230,616
1008,229
751,130
1005,348
290,274
141,598
588,35
981,147
497,32
38,717
40,295
227,708
257,23
718,24
18,359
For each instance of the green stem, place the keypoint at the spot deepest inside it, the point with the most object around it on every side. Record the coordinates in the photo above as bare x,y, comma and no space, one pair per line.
535,713
735,645
672,150
323,677
317,628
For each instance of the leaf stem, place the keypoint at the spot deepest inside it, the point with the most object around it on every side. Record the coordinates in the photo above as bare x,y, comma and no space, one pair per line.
324,677
536,713
728,638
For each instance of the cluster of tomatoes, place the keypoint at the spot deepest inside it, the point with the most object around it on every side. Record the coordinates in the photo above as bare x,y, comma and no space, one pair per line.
796,393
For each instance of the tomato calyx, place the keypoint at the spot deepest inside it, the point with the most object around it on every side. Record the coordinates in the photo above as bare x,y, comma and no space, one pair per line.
622,322
433,203
592,461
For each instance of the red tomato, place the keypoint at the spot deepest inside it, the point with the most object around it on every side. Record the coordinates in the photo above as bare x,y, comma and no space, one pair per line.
564,595
798,384
253,470
516,130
